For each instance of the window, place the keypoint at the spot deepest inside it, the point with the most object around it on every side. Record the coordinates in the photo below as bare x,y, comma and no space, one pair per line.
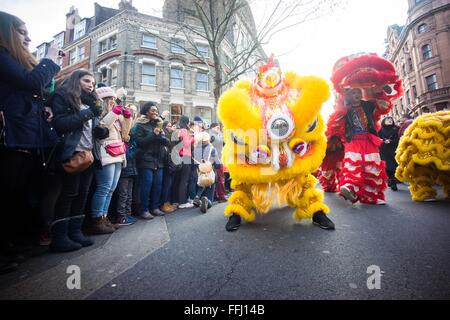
176,111
228,61
80,53
103,46
149,74
76,55
423,28
177,46
176,78
441,106
107,44
149,41
414,92
431,82
41,52
403,70
202,81
113,75
113,42
243,40
79,30
205,113
410,64
104,75
59,41
408,98
203,50
72,56
401,105
426,51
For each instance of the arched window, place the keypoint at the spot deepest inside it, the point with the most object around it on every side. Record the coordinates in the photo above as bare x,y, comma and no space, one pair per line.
423,28
426,51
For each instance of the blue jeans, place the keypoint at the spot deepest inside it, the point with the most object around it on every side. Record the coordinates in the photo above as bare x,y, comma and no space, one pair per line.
208,193
107,179
150,188
167,186
192,187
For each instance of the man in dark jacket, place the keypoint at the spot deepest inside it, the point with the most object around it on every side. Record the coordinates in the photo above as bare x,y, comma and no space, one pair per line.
149,137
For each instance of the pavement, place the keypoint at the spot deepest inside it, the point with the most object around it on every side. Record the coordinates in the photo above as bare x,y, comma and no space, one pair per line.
397,251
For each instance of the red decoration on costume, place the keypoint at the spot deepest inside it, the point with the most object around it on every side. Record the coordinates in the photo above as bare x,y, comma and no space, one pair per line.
379,82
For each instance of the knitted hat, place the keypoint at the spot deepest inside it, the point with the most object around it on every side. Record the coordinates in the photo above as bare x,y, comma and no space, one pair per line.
202,137
198,120
105,92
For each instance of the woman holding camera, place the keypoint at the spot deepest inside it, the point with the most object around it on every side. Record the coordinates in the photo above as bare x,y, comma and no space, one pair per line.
117,120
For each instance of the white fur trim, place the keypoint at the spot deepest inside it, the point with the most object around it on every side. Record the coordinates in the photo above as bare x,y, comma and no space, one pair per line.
353,156
373,157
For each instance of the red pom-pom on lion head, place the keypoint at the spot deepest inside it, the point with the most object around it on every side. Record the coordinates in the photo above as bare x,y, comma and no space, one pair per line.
367,71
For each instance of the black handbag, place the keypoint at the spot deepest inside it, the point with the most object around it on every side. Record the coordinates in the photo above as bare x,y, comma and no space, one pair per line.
174,162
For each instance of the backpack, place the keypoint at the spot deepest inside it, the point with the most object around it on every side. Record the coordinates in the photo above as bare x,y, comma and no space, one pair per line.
206,174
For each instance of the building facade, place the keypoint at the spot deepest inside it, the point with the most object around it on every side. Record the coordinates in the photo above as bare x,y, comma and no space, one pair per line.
146,55
420,51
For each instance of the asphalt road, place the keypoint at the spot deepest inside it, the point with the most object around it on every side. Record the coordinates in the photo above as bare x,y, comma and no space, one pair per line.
190,256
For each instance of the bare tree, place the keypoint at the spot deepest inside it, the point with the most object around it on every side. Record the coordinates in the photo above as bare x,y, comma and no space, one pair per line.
228,27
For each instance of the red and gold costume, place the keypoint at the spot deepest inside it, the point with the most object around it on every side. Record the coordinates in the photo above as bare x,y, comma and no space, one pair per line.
359,166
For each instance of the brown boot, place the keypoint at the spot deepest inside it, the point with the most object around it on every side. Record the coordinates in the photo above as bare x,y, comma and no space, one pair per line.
101,226
116,226
167,208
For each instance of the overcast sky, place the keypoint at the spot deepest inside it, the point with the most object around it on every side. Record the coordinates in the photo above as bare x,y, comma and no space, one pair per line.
309,48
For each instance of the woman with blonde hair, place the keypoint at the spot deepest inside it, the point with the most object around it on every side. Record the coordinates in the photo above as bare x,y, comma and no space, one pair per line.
127,179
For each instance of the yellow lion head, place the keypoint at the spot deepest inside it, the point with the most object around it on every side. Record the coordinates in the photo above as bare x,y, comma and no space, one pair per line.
273,129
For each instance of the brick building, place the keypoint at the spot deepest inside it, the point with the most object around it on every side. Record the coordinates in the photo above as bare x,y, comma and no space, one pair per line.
420,51
149,56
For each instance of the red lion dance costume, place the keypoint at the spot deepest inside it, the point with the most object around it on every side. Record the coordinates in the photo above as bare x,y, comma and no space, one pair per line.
352,164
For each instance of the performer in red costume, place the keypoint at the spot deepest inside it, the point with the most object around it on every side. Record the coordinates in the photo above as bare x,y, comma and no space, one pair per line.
365,84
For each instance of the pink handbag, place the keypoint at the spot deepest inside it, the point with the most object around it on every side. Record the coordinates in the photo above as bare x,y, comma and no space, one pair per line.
116,149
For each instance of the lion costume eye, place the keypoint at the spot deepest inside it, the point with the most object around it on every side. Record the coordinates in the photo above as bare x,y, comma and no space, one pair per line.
312,126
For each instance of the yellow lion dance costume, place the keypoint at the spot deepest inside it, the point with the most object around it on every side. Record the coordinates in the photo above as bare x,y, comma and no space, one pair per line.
423,156
274,139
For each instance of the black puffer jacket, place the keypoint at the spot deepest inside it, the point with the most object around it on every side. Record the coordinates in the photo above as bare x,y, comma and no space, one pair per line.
150,145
